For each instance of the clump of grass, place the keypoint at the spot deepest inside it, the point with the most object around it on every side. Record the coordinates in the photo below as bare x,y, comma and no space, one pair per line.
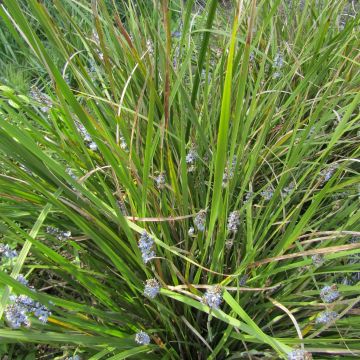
179,179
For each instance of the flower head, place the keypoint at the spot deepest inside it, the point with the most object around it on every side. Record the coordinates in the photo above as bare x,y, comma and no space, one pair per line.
75,357
160,181
17,314
326,174
299,355
142,338
145,245
21,279
277,65
326,316
329,294
86,136
60,235
40,97
191,156
190,159
200,220
63,235
122,207
213,297
248,196
52,230
317,260
7,252
150,46
233,221
41,312
229,172
123,143
243,280
92,146
288,189
267,193
71,173
152,288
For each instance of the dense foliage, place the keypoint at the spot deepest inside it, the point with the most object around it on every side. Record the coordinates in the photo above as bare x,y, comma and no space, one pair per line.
179,180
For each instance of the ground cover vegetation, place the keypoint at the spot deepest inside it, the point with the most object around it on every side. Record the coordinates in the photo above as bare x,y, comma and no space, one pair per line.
179,180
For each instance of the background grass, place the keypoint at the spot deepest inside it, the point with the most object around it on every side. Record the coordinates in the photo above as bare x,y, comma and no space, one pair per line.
99,99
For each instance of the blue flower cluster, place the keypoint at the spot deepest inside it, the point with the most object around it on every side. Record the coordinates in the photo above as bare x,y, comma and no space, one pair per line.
229,172
288,189
233,221
326,174
278,64
146,244
60,235
213,297
152,288
200,220
299,355
329,294
7,252
326,316
17,313
318,260
22,280
142,338
160,181
86,136
42,98
267,193
190,159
